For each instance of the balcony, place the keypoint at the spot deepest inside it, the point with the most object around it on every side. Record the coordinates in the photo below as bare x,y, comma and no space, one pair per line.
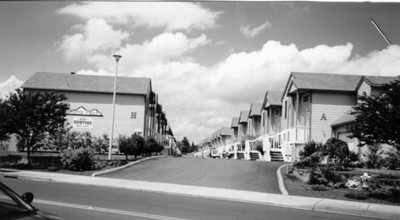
298,135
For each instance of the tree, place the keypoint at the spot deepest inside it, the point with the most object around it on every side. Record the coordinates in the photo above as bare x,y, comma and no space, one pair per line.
184,145
33,114
377,119
337,151
101,144
153,146
132,145
3,121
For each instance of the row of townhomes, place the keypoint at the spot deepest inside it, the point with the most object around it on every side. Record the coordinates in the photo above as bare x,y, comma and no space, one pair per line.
137,109
311,107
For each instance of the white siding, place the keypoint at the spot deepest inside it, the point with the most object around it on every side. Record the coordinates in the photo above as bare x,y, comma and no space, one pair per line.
332,106
125,105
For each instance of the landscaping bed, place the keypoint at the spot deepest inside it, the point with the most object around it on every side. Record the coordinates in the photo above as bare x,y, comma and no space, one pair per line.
50,162
381,194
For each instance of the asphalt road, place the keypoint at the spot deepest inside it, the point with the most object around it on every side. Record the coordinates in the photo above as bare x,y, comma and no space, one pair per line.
88,202
221,173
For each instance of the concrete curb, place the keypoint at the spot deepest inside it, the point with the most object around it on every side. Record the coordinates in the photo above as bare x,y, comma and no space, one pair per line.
280,180
125,166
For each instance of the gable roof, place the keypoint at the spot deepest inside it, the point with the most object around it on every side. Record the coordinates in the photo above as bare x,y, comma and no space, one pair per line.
322,82
235,122
344,119
376,81
244,115
226,131
272,98
255,109
87,83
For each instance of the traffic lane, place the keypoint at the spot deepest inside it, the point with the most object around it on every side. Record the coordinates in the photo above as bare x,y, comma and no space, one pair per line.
171,206
258,176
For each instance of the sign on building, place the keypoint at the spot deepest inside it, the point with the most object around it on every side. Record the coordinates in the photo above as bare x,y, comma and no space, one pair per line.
82,122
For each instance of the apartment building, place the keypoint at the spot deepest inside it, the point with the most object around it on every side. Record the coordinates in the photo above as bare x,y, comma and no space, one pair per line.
90,98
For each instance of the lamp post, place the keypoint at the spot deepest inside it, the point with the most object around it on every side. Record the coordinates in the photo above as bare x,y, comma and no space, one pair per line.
117,57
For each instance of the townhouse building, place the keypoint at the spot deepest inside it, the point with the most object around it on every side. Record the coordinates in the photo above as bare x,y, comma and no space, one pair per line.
254,120
271,113
235,129
311,107
242,127
90,98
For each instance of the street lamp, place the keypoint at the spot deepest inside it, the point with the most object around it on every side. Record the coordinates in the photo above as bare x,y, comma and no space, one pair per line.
117,57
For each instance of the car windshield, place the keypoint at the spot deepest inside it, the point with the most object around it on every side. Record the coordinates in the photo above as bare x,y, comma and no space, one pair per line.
11,203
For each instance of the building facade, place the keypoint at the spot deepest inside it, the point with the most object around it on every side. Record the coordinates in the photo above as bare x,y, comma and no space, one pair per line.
90,99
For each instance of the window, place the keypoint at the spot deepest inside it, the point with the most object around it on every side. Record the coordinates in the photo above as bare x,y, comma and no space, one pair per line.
306,98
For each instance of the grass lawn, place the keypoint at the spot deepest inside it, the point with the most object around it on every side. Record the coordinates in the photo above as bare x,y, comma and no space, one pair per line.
297,187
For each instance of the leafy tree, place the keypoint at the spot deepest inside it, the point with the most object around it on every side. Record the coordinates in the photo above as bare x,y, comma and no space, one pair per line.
3,121
59,141
101,144
377,119
33,114
80,140
152,146
184,145
132,145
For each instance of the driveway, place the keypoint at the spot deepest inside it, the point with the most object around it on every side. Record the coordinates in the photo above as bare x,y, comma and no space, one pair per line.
256,176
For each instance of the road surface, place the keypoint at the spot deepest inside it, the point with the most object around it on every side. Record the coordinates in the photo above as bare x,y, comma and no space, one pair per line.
255,176
88,202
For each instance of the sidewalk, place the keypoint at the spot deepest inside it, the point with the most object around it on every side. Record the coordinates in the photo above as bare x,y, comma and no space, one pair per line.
296,202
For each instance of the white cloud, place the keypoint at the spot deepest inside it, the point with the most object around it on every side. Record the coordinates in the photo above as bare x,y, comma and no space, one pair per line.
167,15
166,47
96,36
251,32
8,86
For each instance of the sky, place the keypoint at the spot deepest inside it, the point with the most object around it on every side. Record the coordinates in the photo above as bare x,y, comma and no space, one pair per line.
207,60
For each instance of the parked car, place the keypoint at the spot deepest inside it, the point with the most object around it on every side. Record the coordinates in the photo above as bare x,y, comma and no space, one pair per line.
13,206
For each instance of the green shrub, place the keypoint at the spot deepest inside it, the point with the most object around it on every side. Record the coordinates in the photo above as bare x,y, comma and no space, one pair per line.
392,161
374,157
78,160
309,149
359,195
337,151
80,140
330,175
